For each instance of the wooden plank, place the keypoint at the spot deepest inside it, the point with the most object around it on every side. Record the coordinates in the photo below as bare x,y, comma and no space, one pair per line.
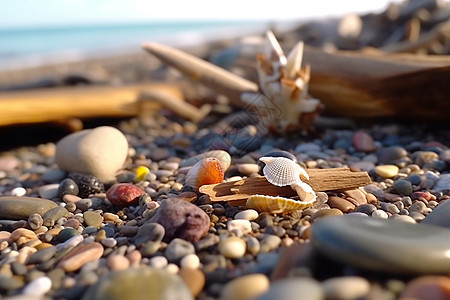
238,191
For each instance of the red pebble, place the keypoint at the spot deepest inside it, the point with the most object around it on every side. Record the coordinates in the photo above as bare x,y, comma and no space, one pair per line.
124,194
425,195
363,142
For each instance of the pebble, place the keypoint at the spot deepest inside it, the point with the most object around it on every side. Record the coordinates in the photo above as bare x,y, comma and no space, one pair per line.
19,208
49,191
109,242
238,288
68,187
303,288
35,221
9,163
181,219
341,204
18,192
80,255
367,209
72,242
42,255
440,215
222,156
248,214
248,169
38,287
54,214
241,225
194,279
379,214
443,184
158,262
92,219
124,194
326,213
391,154
346,288
87,184
178,248
427,287
403,187
269,243
139,283
117,262
190,261
149,232
232,247
100,152
363,142
370,243
386,171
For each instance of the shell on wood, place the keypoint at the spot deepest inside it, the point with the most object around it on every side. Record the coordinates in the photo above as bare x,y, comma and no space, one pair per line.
207,171
281,171
275,205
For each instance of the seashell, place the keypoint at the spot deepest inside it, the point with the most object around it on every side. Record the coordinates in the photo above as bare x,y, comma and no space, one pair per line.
207,171
222,156
281,171
275,205
275,153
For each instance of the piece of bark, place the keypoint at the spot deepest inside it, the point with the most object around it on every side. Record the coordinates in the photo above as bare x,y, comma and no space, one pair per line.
56,104
238,191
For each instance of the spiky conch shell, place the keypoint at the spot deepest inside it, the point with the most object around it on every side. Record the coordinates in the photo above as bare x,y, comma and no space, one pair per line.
275,205
281,171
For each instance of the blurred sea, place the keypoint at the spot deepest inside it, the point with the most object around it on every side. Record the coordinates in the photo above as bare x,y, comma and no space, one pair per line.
28,47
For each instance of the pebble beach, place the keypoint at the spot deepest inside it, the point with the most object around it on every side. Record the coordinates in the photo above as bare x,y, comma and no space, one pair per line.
116,211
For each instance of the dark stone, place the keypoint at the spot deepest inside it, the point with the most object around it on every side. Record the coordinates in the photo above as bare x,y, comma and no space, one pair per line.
87,184
181,219
149,232
367,209
66,234
390,154
68,186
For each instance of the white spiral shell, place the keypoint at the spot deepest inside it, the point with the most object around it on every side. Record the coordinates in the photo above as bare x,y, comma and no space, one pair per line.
282,171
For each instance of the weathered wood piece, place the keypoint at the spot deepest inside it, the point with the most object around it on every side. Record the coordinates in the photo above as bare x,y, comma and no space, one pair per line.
238,191
55,104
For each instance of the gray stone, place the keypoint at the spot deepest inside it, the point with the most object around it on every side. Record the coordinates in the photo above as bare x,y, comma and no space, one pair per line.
346,288
403,187
443,183
100,152
42,255
383,245
178,249
440,215
17,208
391,154
54,214
139,283
296,287
269,243
149,232
35,221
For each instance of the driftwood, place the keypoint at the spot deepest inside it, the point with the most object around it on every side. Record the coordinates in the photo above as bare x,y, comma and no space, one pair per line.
237,192
55,104
371,85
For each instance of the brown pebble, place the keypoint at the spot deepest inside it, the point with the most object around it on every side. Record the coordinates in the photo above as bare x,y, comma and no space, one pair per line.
371,198
357,195
74,223
134,257
326,213
194,279
54,231
341,204
80,255
22,233
188,196
43,246
4,235
71,198
296,256
427,287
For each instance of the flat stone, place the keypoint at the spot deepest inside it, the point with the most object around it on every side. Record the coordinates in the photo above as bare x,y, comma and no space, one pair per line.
54,214
139,283
49,191
149,232
181,219
285,289
248,214
178,248
346,288
232,247
92,218
383,245
248,169
341,204
42,255
403,187
386,171
391,154
238,288
100,152
440,215
80,255
321,213
20,208
443,183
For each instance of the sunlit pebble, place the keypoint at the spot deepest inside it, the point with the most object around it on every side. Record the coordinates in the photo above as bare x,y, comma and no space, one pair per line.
158,262
172,268
190,261
18,192
152,205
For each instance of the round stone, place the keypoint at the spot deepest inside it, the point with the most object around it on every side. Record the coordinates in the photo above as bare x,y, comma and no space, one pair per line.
66,234
80,255
149,232
371,243
178,248
302,287
35,221
100,152
124,194
386,171
403,187
269,243
67,187
241,225
117,262
248,169
248,214
232,247
238,289
92,219
341,204
139,283
190,261
363,142
346,288
379,213
49,191
38,287
390,154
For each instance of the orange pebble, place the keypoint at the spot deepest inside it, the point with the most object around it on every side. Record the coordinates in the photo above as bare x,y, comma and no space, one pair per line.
207,171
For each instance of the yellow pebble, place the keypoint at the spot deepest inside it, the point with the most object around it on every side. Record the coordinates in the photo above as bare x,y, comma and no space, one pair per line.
386,171
141,172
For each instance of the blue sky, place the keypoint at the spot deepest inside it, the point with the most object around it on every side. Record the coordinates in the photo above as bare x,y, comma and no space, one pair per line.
24,13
